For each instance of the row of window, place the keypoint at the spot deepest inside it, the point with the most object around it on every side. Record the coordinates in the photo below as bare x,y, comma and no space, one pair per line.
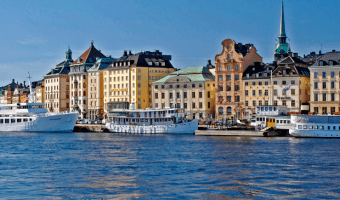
228,88
229,99
324,85
260,103
254,83
316,127
15,120
220,111
200,85
324,74
330,63
229,68
324,97
185,95
246,93
228,77
185,105
324,110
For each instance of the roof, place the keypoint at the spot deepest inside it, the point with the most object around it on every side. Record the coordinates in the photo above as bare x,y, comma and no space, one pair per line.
89,56
329,56
263,71
291,71
194,74
143,59
291,60
102,64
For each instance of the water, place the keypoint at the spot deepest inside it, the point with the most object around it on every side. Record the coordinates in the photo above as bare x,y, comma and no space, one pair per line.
119,166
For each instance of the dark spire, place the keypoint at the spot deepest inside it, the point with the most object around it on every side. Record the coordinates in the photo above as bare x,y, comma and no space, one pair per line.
282,36
69,54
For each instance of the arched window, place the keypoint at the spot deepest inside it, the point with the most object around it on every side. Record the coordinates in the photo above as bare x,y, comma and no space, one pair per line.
229,111
220,111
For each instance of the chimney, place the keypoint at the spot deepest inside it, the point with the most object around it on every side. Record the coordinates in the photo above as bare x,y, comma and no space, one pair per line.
333,50
125,53
239,45
290,54
24,83
295,55
312,53
257,64
209,62
130,53
13,80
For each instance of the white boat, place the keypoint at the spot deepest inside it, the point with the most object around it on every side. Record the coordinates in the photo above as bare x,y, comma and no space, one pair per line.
315,126
155,120
33,117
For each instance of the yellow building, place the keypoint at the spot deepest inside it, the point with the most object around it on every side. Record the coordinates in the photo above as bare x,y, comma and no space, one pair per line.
192,88
325,84
96,88
127,80
79,80
39,92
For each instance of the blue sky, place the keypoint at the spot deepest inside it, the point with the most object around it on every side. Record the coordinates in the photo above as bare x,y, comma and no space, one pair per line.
36,34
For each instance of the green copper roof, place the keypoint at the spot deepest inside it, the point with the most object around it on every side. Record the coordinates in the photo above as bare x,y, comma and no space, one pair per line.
194,74
282,46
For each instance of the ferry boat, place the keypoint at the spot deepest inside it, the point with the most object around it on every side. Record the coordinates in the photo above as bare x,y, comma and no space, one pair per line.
152,120
33,117
315,126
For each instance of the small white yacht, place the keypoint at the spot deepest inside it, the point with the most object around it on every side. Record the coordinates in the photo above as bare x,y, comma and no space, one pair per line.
152,120
33,117
315,126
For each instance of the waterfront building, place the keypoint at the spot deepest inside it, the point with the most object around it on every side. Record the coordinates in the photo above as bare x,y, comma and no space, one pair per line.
96,88
79,82
40,92
291,83
325,84
257,87
230,65
282,48
6,92
57,86
192,88
127,80
20,95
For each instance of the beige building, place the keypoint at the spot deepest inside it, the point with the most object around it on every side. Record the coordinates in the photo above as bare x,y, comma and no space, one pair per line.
192,88
57,86
325,84
79,80
230,64
39,91
127,80
96,88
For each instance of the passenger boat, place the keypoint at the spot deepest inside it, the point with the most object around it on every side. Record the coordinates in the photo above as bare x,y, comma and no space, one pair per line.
33,117
315,126
152,120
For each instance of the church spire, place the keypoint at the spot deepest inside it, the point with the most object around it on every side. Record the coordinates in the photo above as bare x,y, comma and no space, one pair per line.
69,54
282,47
282,25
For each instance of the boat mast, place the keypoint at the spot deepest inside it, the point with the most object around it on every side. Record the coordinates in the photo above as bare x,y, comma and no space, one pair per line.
31,95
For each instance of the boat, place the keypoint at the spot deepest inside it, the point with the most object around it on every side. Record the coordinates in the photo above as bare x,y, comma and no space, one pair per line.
33,117
149,121
327,126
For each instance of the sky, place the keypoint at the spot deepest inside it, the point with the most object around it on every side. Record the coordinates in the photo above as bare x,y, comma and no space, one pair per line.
35,34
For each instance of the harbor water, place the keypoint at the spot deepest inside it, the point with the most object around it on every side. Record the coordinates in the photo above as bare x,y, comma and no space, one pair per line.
125,166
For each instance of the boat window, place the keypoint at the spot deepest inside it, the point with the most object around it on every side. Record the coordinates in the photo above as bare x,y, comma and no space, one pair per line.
329,128
316,127
262,108
266,108
6,121
310,126
321,127
299,126
12,120
288,121
281,121
30,119
25,119
142,120
334,128
18,120
146,120
270,108
304,126
284,121
133,120
1,121
277,121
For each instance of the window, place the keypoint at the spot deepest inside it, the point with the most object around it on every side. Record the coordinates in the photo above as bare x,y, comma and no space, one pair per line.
237,77
275,92
324,85
229,111
228,77
163,95
324,97
260,102
228,98
332,74
237,87
324,74
260,82
193,86
266,83
260,92
185,94
246,83
284,102
220,68
332,96
200,94
246,93
275,83
292,82
208,104
320,63
193,94
171,96
316,85
316,97
330,63
315,74
139,78
228,68
228,56
266,103
200,105
237,67
254,92
332,84
253,83
284,82
220,98
220,78
254,103
220,111
220,88
193,104
156,95
292,103
237,98
292,91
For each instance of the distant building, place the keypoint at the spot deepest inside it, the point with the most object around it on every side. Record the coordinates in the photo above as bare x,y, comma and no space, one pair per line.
57,86
291,83
311,58
230,65
79,82
128,79
96,88
325,84
192,88
39,92
6,92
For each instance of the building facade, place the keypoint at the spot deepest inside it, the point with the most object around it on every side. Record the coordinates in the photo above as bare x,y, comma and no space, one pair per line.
291,84
325,84
128,79
96,88
40,92
230,64
79,80
192,88
57,86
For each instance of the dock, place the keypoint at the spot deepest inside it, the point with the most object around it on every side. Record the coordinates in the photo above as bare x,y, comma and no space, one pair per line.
214,132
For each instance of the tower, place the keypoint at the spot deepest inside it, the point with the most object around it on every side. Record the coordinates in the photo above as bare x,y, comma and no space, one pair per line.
282,47
69,55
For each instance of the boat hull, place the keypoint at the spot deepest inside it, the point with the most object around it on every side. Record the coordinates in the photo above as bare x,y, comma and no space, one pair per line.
182,128
314,133
64,122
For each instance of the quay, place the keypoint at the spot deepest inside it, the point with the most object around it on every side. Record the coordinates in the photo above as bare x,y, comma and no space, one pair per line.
90,128
215,132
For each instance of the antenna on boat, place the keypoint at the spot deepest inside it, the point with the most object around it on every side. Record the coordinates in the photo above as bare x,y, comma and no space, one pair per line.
31,95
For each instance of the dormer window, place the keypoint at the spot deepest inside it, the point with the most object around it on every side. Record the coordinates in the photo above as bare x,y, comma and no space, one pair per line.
330,63
265,74
247,75
156,63
253,69
150,63
320,63
284,72
257,75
